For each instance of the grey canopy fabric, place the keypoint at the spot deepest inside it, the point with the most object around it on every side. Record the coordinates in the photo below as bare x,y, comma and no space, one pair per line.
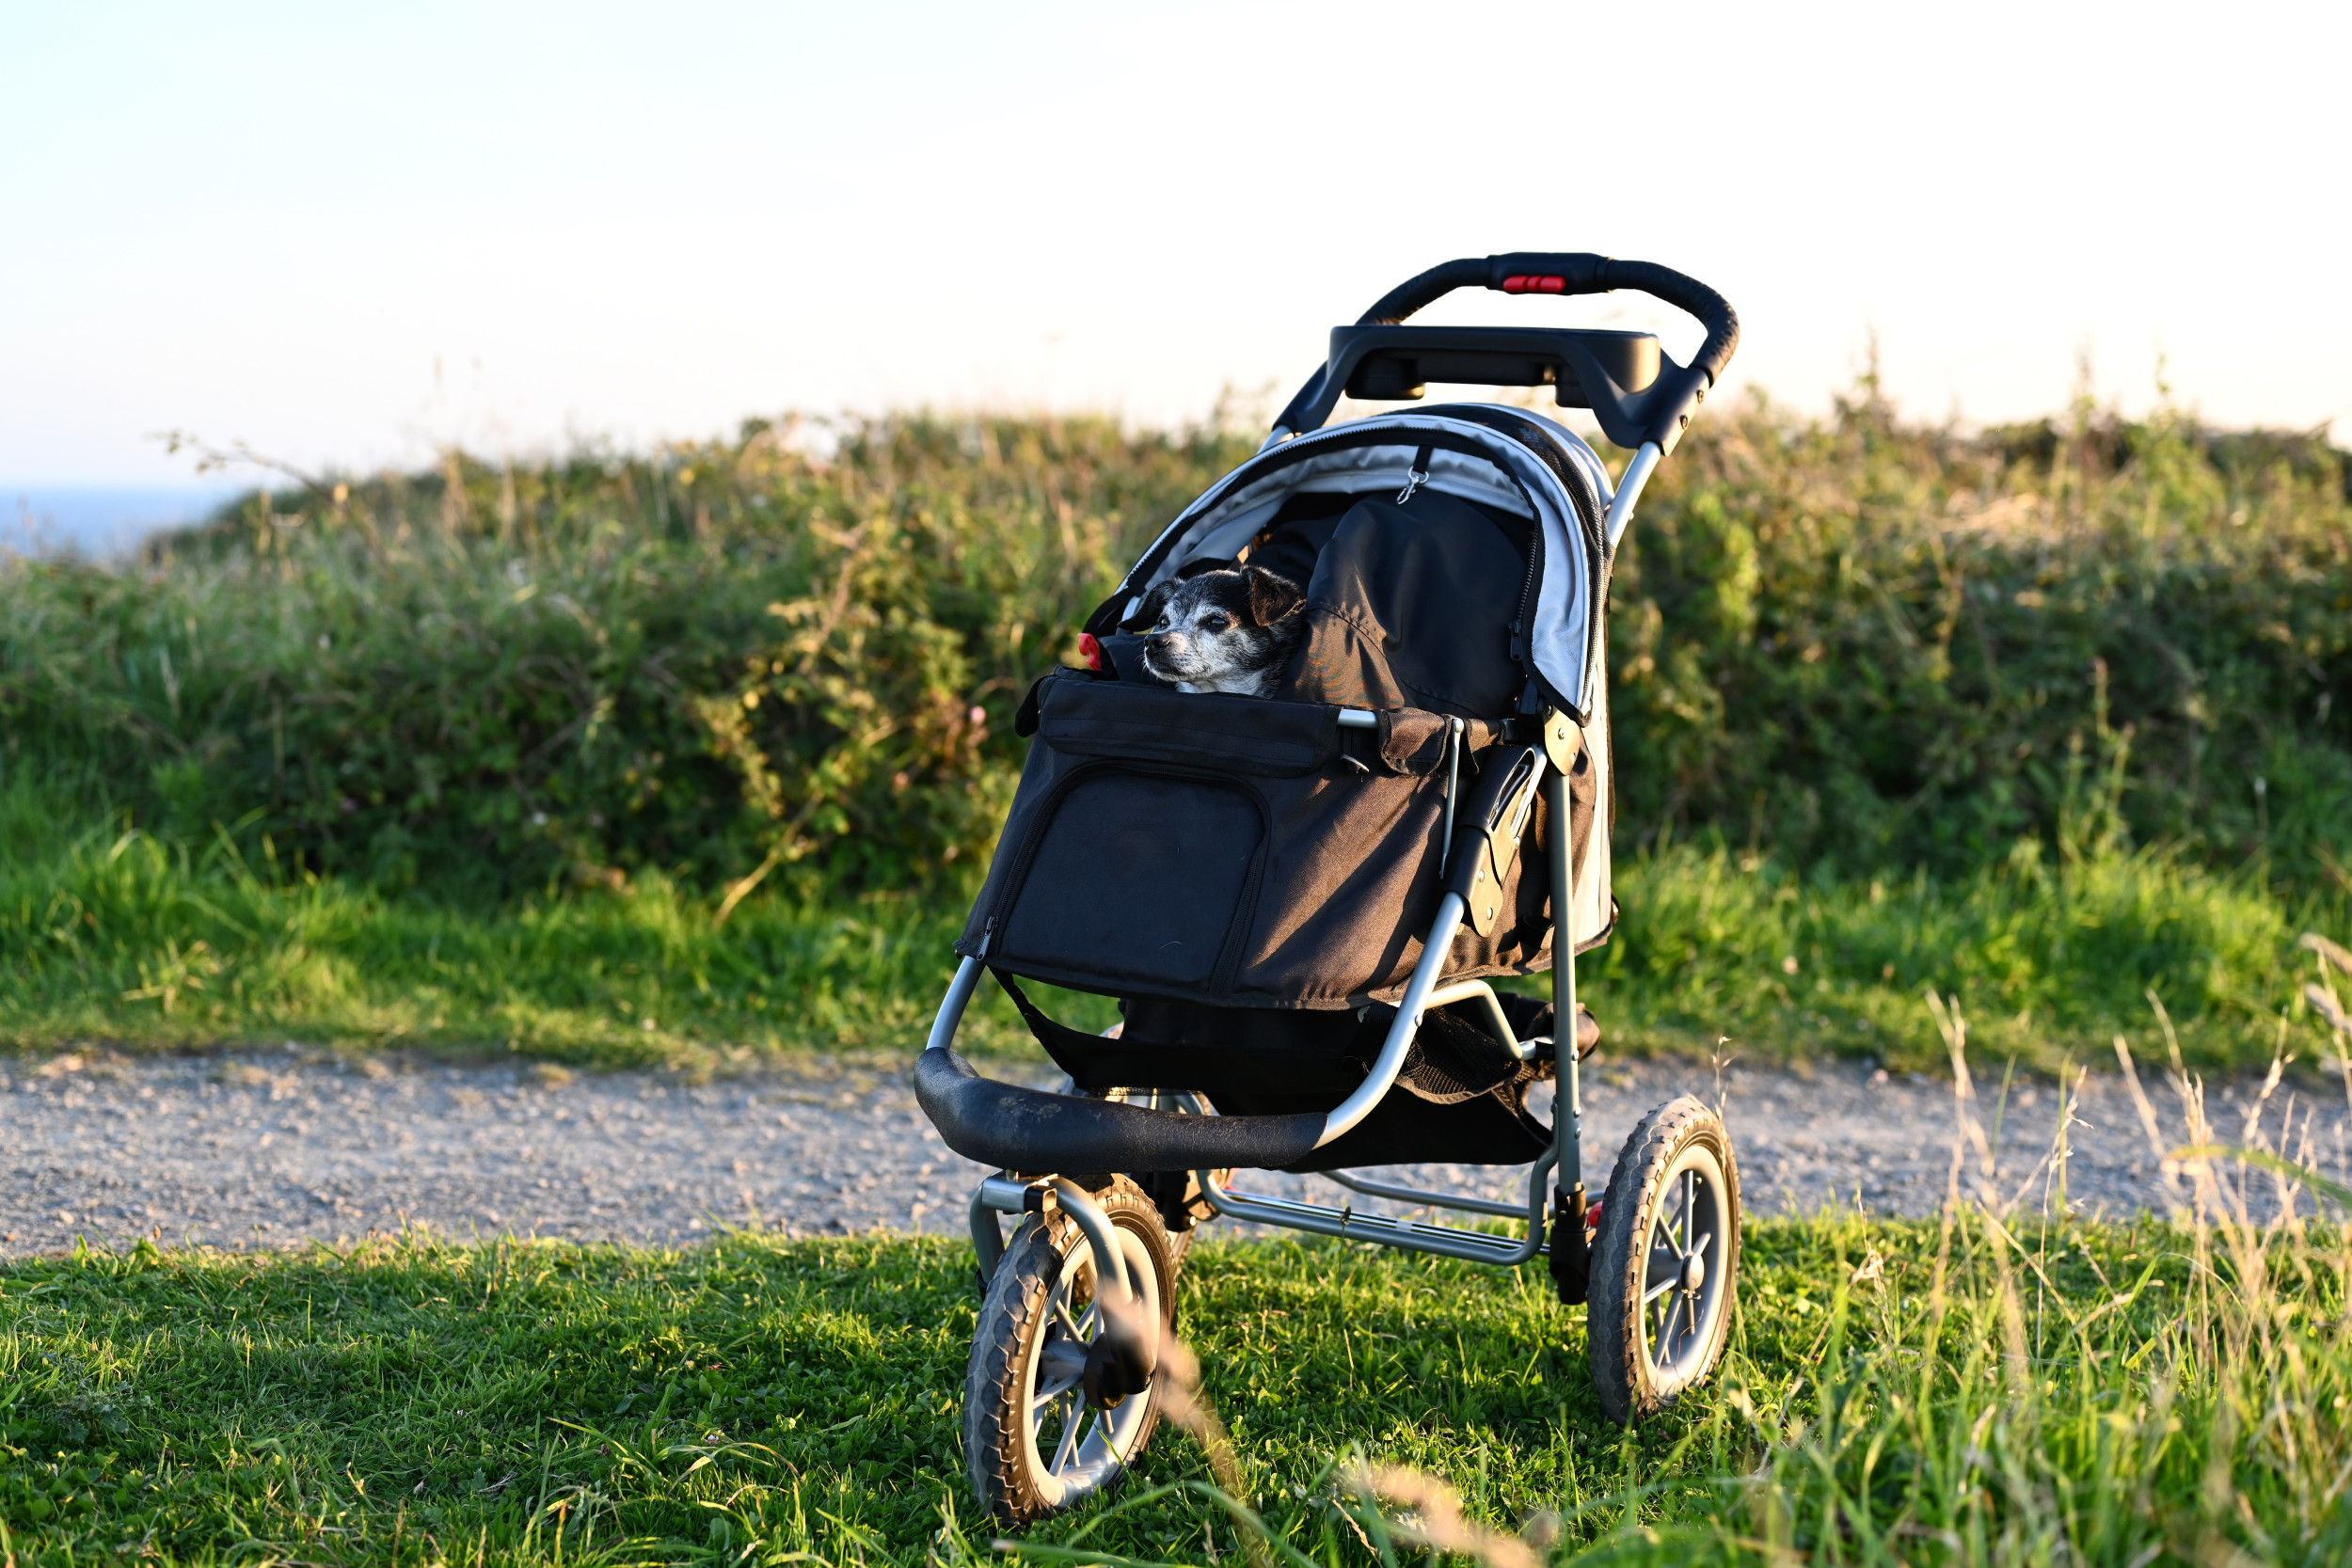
1499,460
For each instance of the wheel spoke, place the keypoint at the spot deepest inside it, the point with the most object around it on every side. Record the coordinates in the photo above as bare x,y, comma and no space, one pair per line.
1042,1413
1663,1267
1659,1290
1067,1448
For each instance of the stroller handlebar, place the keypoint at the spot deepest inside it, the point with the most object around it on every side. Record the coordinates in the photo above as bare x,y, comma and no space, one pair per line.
1545,272
1650,408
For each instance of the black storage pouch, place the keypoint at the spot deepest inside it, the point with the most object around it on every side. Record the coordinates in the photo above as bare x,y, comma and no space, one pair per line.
1207,730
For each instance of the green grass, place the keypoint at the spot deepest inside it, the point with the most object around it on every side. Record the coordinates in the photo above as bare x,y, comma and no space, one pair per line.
124,937
2052,961
117,937
1981,1395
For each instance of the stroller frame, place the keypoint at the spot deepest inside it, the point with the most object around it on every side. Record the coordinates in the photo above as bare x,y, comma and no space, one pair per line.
1625,1256
1000,1193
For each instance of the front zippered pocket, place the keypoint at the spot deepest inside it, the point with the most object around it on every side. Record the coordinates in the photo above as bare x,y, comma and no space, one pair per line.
1136,876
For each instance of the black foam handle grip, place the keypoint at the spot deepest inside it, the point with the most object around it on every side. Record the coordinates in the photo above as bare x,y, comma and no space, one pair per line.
1571,273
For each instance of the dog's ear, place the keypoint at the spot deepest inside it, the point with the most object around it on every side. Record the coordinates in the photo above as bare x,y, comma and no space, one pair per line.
1146,614
1271,596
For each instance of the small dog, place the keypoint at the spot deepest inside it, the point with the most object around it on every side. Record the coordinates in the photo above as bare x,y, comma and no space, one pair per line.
1222,631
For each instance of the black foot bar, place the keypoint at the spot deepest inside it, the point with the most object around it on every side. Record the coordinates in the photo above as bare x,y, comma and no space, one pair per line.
1028,1129
1025,1129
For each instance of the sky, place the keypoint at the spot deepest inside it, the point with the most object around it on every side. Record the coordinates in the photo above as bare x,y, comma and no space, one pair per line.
350,235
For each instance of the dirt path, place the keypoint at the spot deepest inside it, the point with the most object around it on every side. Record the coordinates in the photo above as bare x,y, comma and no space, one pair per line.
278,1149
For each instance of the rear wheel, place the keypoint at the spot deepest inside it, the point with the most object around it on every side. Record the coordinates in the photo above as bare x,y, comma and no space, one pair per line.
1665,1263
1032,1440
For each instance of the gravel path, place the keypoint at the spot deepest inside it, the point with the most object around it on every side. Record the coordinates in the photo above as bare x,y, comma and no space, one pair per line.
276,1149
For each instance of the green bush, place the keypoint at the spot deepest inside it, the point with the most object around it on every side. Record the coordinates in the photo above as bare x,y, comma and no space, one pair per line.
722,660
1877,646
1849,644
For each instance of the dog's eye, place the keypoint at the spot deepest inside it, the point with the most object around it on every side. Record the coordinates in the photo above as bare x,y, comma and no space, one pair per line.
1160,624
1216,623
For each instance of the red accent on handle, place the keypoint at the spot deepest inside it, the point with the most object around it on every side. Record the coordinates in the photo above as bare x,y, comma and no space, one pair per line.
1528,283
1591,1214
1091,651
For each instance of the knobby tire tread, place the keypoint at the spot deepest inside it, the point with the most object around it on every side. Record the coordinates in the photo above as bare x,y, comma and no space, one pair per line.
1620,1368
1007,1333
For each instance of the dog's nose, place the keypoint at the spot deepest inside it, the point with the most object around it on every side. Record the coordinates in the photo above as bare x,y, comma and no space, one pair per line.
1157,642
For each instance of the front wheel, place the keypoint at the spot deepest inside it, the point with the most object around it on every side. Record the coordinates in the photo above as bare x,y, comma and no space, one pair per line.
1666,1261
1033,1440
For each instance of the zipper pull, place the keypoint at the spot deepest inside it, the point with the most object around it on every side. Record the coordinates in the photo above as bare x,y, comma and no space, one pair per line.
1416,476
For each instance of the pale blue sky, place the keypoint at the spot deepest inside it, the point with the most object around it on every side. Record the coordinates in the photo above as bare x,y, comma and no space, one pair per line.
271,223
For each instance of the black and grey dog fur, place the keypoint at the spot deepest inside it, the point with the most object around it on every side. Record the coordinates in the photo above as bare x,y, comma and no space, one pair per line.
1223,630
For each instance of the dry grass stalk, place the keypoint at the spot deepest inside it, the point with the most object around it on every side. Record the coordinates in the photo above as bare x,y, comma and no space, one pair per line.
2329,953
1433,1515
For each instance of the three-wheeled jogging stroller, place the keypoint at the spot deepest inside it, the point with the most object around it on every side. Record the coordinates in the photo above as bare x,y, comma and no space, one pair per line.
1300,900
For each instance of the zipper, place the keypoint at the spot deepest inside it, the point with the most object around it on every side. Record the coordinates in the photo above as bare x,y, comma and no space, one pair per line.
1416,476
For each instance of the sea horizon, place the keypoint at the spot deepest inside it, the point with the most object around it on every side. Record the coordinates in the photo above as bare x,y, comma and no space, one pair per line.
99,522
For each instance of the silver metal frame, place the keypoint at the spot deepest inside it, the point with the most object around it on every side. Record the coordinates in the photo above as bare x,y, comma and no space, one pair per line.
1630,491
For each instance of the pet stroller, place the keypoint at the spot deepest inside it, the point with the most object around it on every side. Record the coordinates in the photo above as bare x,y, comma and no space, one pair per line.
1301,901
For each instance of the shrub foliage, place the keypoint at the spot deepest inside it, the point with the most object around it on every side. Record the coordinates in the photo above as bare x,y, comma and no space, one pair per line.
727,657
1849,641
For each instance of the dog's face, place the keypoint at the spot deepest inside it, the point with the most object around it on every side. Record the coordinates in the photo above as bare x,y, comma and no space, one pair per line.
1222,631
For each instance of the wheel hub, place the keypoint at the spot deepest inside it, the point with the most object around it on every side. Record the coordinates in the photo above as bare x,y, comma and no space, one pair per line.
1693,1272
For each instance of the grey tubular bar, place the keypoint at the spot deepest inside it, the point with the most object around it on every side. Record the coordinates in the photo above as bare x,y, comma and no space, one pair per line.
1496,1024
1378,1082
1408,1235
1568,1095
1629,490
1000,1193
1110,1259
1358,719
988,1236
951,1009
1462,1201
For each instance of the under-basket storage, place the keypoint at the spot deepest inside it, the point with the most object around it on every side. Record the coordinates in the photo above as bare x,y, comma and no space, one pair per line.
1239,851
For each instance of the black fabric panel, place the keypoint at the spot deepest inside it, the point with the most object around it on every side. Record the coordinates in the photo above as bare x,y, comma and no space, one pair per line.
1411,607
1142,878
1158,723
1173,1045
1293,538
1024,1130
1406,1131
1123,873
1460,1100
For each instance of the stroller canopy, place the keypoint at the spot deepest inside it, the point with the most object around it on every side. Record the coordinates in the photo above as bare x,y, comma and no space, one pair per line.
1430,585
